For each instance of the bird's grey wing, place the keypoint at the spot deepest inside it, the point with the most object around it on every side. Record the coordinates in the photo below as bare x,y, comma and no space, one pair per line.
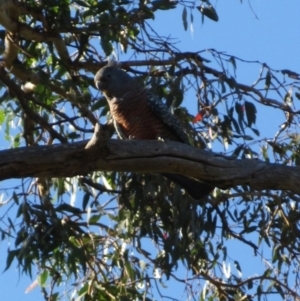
163,112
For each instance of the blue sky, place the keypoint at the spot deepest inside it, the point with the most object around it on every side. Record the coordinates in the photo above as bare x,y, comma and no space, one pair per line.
272,38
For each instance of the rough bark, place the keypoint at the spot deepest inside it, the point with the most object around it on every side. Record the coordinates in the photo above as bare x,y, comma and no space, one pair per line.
144,157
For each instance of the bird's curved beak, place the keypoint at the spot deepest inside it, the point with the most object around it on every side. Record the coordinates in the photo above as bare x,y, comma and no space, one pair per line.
100,84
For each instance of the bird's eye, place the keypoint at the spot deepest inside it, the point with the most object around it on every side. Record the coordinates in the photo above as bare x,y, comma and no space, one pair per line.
108,75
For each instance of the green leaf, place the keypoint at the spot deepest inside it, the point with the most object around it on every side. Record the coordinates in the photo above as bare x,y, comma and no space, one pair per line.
223,87
288,98
54,296
94,219
10,257
291,73
250,229
250,113
250,284
163,4
102,102
237,265
233,62
83,291
129,271
85,200
277,148
184,19
106,46
16,141
2,117
42,278
82,3
236,126
238,150
15,198
209,12
280,291
21,236
66,207
255,131
268,80
240,111
73,135
247,137
11,224
231,82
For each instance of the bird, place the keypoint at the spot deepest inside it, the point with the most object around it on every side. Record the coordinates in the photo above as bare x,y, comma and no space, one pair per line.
138,114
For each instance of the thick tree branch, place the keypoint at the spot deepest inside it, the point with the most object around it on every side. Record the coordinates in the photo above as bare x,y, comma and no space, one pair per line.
146,157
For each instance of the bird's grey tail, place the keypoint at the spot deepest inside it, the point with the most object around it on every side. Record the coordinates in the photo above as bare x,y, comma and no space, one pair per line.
197,190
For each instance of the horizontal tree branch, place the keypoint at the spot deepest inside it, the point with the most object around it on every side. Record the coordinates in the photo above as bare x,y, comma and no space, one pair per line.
67,160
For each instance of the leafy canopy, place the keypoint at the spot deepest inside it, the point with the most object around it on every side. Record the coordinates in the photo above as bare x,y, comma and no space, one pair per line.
126,236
